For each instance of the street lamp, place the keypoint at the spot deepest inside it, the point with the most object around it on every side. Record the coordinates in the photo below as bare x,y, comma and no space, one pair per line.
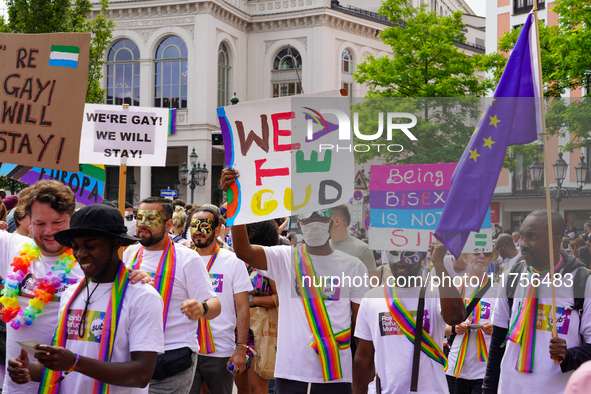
536,170
197,176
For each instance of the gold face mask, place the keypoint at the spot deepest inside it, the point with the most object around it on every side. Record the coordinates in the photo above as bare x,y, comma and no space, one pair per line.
150,218
205,226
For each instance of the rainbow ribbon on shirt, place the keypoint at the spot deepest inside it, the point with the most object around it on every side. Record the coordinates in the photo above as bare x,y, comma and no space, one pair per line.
407,324
481,349
165,273
523,329
325,342
204,335
48,378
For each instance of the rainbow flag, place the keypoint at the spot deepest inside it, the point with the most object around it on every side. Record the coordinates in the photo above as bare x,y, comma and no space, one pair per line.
172,122
88,184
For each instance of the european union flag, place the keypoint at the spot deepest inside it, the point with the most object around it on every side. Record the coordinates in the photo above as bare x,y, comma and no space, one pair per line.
513,117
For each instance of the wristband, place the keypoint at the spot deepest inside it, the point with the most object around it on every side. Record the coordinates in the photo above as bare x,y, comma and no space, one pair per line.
73,367
244,345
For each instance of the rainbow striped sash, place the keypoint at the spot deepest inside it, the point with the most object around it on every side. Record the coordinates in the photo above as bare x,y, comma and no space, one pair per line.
407,324
475,318
112,314
523,329
204,335
325,342
165,273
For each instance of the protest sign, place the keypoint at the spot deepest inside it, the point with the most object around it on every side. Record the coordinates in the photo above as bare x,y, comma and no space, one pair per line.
114,135
44,79
406,204
88,184
282,149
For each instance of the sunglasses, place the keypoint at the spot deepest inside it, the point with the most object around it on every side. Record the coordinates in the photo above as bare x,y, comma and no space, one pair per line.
129,217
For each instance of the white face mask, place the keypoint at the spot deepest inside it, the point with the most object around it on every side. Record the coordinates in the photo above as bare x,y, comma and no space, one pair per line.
315,233
131,227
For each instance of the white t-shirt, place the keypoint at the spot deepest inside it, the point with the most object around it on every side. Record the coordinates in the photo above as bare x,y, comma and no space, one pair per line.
190,282
393,351
473,368
295,359
139,330
228,277
45,322
546,377
509,263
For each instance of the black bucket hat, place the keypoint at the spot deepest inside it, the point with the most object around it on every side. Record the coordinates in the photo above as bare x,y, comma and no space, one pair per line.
96,220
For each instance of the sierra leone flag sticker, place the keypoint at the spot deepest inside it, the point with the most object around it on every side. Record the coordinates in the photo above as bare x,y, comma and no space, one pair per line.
64,56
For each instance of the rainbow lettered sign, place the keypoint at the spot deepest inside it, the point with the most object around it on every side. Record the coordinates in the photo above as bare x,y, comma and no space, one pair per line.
406,203
88,184
289,156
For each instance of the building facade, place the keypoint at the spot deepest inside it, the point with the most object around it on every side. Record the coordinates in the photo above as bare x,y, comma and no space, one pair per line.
516,195
194,55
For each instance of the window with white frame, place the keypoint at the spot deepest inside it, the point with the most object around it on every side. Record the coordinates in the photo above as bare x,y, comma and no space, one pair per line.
123,74
170,90
223,76
347,69
286,76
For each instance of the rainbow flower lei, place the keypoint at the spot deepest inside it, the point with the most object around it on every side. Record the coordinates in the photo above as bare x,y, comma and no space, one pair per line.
12,311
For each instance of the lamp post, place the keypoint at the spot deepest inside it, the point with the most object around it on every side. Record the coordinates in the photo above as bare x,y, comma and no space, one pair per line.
536,170
197,176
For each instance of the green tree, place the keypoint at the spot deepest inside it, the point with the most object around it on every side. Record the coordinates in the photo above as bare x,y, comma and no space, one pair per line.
426,64
51,16
11,184
566,65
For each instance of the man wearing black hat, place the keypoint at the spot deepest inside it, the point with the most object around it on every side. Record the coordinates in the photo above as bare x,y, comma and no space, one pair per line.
49,205
109,330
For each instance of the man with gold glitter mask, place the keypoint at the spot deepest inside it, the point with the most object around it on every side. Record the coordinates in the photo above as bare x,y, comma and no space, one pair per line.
183,284
219,346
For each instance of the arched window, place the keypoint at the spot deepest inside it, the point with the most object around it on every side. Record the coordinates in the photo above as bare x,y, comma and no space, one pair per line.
347,60
223,76
287,73
123,74
347,72
171,74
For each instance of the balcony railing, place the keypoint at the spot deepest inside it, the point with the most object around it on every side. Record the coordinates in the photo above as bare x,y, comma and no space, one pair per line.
523,6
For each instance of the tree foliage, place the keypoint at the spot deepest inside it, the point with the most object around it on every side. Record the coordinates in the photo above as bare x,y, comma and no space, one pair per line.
51,16
426,63
11,184
566,65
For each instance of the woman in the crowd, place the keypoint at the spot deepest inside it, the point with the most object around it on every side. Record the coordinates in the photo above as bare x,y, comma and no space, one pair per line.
263,296
179,217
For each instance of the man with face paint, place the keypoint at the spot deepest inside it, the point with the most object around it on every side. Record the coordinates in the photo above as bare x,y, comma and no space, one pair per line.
469,351
299,367
231,283
183,284
382,342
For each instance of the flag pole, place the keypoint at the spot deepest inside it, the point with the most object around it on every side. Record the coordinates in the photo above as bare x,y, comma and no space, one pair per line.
547,174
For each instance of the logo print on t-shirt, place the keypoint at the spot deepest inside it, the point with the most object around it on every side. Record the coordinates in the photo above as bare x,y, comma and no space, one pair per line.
484,310
30,284
562,319
217,282
389,327
93,326
330,289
